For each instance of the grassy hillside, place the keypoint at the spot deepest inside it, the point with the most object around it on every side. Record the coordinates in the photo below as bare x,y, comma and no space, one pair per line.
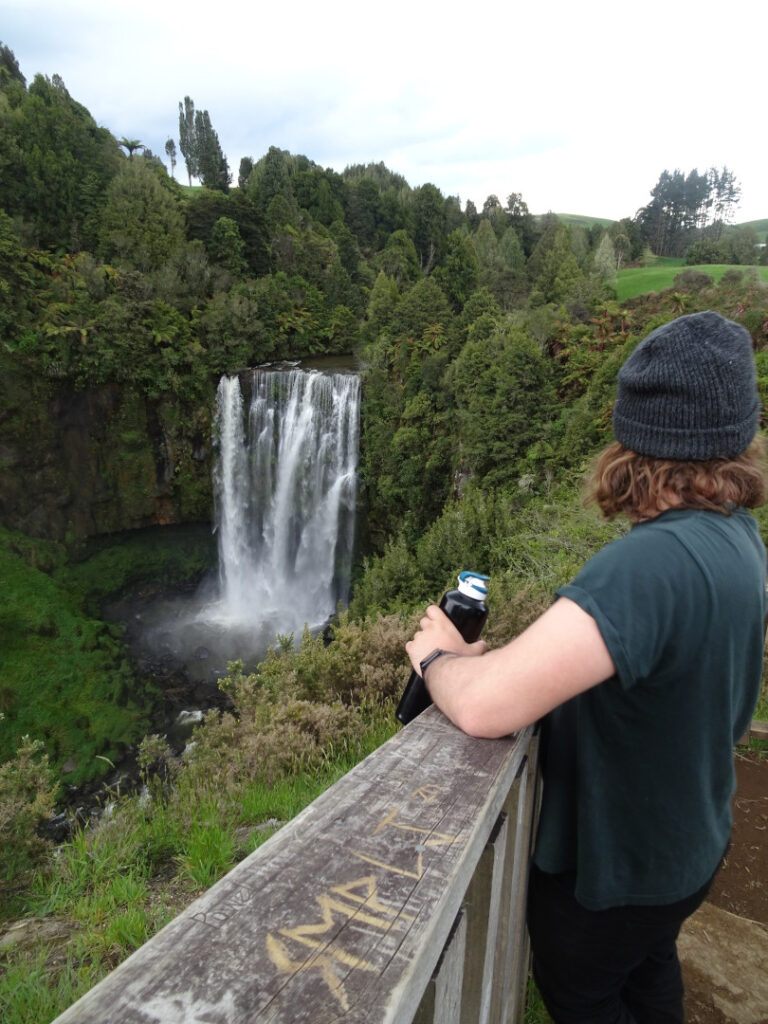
636,281
584,222
760,227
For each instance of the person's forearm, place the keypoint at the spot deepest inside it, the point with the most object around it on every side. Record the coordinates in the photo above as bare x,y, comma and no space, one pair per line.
495,693
479,695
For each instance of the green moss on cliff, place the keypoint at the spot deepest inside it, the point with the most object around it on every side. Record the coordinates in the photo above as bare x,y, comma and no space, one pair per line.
157,557
65,677
78,464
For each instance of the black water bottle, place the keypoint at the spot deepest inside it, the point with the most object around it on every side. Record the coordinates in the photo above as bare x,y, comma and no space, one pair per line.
467,610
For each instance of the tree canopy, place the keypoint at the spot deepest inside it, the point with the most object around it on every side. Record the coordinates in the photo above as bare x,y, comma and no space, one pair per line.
685,207
199,145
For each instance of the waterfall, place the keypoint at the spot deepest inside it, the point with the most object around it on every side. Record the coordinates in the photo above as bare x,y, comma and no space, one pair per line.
285,482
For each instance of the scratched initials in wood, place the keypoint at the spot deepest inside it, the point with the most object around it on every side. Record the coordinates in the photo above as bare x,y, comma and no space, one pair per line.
429,792
238,899
358,902
363,898
435,839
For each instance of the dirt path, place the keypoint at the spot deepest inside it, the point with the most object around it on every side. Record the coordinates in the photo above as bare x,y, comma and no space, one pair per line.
724,947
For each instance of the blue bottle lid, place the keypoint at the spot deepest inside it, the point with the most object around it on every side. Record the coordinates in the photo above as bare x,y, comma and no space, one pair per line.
472,584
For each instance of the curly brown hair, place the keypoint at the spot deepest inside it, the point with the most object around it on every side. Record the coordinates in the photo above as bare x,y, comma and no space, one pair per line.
641,486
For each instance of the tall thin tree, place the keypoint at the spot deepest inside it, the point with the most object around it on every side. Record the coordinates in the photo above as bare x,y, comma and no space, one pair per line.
188,138
170,152
212,167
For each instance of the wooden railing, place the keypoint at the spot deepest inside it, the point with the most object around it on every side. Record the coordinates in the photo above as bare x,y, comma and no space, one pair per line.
397,896
757,730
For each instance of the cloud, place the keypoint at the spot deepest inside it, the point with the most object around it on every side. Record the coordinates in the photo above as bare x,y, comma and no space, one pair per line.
578,106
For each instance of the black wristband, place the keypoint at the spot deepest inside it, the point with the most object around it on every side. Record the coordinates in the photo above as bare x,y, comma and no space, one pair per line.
430,658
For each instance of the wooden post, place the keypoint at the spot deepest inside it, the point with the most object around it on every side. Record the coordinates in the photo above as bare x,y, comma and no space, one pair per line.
527,816
483,906
441,1003
511,948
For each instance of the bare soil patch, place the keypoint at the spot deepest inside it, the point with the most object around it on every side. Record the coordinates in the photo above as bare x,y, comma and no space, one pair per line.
741,886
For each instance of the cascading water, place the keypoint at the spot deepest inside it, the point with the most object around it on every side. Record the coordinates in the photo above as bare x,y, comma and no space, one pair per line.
285,483
285,488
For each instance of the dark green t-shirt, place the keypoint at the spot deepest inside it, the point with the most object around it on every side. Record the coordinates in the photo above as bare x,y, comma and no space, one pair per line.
638,771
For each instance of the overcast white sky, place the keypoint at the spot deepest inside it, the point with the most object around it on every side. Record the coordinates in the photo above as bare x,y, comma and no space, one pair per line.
579,106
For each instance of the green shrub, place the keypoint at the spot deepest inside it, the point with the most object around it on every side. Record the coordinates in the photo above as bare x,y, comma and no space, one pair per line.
27,794
693,280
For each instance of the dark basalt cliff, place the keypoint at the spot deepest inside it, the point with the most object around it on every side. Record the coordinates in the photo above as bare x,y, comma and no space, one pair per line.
78,464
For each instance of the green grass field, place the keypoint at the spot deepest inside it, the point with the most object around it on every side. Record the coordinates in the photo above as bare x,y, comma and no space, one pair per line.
636,281
585,222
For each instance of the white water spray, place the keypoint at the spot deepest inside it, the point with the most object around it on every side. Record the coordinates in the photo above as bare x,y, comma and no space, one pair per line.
285,487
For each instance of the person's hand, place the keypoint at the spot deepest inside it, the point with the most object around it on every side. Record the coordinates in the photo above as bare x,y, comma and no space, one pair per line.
437,631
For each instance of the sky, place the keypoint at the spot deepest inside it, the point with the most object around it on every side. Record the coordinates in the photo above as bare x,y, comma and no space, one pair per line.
577,106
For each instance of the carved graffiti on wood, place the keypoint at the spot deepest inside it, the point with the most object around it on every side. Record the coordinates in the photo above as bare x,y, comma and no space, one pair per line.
358,901
238,899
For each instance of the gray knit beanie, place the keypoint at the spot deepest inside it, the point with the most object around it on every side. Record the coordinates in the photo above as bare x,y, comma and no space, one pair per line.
689,391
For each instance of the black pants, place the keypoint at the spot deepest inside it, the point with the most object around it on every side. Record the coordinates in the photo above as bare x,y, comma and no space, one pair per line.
615,966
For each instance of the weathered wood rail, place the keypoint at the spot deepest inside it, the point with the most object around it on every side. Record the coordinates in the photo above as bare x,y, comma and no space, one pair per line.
397,897
757,730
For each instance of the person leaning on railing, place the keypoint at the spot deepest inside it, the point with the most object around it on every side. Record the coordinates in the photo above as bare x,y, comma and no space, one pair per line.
645,671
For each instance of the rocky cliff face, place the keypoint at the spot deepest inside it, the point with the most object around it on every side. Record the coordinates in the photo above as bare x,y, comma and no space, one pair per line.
77,464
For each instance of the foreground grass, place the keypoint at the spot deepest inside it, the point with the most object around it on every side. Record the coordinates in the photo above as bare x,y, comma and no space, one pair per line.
116,884
535,1012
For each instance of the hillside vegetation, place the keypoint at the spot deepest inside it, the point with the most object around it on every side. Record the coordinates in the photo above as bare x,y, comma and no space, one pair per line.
760,227
578,220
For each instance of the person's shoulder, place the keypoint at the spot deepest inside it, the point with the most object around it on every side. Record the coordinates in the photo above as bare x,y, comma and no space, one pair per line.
658,531
710,534
633,552
684,521
652,546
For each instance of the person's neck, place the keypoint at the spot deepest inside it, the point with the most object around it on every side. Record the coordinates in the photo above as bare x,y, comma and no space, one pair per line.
666,501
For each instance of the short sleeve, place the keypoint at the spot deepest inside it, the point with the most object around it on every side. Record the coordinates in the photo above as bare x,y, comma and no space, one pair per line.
629,590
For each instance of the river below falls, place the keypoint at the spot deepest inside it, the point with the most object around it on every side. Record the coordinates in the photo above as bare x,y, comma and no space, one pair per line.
186,631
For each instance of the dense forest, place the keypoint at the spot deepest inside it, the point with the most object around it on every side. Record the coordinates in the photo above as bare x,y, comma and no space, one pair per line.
488,343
